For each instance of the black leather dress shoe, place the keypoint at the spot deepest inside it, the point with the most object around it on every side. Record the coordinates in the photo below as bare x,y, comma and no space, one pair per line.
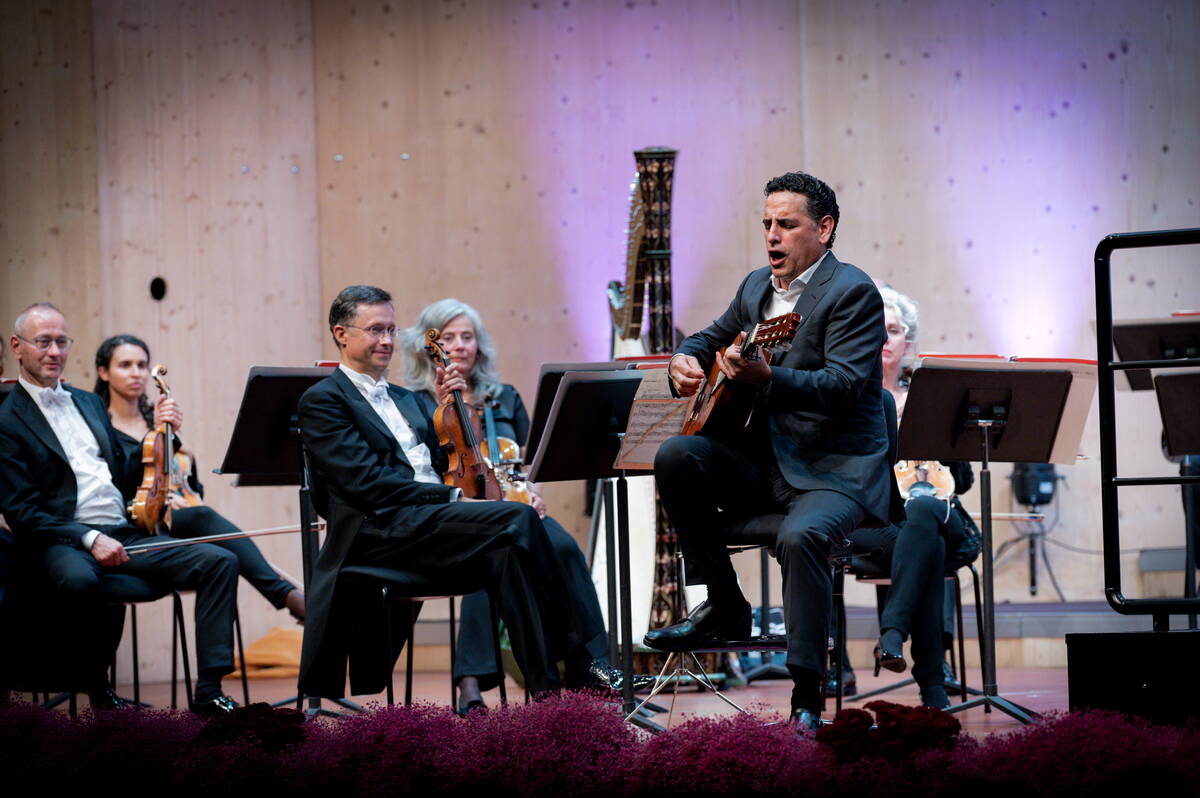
214,707
602,676
850,689
889,660
707,623
805,721
106,699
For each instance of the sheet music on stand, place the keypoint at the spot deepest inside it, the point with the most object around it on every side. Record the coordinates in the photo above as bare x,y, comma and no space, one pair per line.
655,416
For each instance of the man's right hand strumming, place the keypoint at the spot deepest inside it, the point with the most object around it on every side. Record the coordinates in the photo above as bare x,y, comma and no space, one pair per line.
686,374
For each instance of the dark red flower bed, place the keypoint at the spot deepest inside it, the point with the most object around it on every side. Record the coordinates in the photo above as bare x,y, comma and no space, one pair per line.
577,746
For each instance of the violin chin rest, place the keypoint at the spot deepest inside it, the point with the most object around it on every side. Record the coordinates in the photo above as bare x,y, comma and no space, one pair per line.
922,488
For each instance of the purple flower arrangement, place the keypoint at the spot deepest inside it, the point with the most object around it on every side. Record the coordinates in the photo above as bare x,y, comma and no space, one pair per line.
577,746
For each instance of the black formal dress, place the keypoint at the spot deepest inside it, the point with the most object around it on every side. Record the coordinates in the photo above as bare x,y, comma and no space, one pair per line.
194,522
378,514
816,450
38,494
475,655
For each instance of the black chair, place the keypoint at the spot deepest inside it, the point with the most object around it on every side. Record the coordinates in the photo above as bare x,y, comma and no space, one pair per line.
131,591
413,588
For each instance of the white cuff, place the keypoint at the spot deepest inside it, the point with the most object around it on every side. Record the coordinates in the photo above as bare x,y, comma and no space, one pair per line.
88,539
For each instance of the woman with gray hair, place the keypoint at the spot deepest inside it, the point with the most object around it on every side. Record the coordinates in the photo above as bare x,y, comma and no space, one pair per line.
472,371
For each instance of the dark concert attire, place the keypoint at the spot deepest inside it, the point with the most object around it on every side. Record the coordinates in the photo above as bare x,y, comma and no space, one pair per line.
816,450
475,655
934,540
54,518
379,513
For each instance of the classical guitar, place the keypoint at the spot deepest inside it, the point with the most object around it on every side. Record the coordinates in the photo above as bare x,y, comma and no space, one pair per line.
723,406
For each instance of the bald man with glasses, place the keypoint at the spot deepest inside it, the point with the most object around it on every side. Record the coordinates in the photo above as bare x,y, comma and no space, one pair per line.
64,489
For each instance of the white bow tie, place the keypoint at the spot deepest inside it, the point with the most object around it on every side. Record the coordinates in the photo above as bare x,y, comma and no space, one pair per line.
56,397
378,393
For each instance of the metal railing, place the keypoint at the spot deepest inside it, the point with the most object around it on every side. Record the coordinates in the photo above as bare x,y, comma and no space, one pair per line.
1107,367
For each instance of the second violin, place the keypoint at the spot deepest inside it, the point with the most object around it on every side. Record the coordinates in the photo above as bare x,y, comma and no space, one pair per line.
469,469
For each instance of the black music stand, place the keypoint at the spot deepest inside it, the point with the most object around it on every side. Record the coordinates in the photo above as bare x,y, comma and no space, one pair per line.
984,414
581,439
265,449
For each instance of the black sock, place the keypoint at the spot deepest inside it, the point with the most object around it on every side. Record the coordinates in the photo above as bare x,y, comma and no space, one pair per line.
806,690
208,686
892,640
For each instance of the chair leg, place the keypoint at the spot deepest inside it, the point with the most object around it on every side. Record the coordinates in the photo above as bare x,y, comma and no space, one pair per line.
137,666
839,654
408,667
962,646
987,708
174,655
237,628
453,688
183,648
387,652
496,650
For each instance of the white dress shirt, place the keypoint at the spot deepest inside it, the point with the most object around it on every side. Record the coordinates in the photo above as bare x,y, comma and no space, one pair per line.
783,301
376,394
99,501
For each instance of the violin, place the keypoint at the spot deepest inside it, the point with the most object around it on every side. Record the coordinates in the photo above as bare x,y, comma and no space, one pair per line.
469,469
164,471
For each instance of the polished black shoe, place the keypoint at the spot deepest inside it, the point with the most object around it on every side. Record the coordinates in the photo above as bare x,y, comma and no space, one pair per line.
707,623
214,707
889,660
601,676
805,721
850,689
107,699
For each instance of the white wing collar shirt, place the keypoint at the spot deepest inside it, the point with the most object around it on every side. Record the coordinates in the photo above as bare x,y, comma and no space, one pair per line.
376,394
99,502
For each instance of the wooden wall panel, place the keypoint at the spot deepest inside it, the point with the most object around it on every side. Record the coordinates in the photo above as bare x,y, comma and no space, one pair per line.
49,234
979,154
207,179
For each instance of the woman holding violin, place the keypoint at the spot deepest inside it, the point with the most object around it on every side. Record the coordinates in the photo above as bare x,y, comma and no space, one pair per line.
937,538
122,369
499,416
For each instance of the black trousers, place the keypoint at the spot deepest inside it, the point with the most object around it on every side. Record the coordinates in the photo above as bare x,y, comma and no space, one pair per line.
194,522
705,484
501,544
475,655
915,554
210,571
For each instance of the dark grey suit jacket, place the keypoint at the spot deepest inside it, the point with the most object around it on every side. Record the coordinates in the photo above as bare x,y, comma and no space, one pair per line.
360,480
825,400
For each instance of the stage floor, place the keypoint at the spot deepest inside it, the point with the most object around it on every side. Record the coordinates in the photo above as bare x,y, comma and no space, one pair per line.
1038,689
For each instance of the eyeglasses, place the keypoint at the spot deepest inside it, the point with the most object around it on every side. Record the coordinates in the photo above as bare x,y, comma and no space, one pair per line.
43,342
376,332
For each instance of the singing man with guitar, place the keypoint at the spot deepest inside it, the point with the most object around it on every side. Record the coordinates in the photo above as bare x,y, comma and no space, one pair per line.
815,448
64,488
377,480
